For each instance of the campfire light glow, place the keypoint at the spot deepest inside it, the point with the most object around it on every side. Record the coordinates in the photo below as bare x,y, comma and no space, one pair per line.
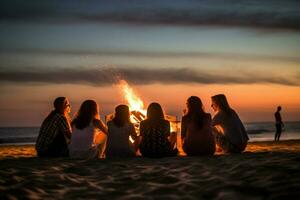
136,106
137,110
135,103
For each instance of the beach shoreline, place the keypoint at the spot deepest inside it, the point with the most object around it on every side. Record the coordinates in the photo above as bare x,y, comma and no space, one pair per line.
293,145
266,170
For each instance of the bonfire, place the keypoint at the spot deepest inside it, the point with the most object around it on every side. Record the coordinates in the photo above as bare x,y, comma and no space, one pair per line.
137,108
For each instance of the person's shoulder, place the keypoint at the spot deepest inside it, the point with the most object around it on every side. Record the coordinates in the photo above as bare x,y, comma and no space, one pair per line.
219,114
59,116
165,122
184,118
144,121
97,122
129,124
111,125
143,124
234,114
207,115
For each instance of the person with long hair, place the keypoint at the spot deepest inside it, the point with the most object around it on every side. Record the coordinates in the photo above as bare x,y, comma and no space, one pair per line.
55,132
119,130
156,140
196,129
229,131
87,127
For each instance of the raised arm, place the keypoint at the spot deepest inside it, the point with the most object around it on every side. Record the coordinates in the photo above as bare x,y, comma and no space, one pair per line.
100,125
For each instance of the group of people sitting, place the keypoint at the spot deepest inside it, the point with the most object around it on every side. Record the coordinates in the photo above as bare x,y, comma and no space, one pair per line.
83,137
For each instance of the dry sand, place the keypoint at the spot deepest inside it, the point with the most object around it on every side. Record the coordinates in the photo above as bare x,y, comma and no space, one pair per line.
267,170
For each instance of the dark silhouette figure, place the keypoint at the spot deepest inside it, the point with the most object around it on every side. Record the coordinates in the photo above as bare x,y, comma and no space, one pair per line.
55,132
229,131
196,129
119,130
155,134
278,124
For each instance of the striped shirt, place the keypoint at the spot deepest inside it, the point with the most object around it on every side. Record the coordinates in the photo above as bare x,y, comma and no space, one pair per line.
55,127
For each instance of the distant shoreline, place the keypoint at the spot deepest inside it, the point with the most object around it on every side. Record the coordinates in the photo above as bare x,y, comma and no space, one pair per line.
292,145
257,131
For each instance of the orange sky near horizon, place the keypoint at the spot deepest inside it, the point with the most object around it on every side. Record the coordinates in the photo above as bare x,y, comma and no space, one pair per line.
28,105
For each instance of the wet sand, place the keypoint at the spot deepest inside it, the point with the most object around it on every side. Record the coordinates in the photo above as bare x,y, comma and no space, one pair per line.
267,170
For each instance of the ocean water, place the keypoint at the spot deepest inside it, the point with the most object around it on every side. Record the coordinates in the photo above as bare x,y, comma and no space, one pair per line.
265,131
258,131
18,135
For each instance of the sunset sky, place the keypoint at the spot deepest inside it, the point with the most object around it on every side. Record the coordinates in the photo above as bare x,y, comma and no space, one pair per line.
167,51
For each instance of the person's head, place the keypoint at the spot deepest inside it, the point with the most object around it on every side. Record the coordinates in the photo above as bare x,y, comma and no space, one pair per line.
194,104
122,115
155,112
88,112
62,105
219,102
195,111
279,108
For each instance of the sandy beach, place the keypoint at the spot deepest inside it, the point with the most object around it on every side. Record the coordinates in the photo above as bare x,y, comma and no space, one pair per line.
267,170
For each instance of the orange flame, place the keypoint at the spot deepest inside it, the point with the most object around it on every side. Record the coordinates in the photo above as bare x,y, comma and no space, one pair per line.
135,103
136,107
138,112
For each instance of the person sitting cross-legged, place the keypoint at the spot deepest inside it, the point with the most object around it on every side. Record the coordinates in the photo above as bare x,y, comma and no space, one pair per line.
156,139
55,132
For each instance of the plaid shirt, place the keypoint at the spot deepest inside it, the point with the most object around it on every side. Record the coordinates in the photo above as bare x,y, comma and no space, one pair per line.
50,129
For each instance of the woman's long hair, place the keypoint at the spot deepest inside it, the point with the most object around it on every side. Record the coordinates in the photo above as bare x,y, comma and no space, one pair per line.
195,112
155,113
122,116
222,102
59,104
87,113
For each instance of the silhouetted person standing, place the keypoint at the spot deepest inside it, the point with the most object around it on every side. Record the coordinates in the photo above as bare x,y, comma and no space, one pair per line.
278,123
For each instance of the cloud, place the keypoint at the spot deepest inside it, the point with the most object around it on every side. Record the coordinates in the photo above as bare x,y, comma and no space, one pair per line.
108,76
257,14
151,54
